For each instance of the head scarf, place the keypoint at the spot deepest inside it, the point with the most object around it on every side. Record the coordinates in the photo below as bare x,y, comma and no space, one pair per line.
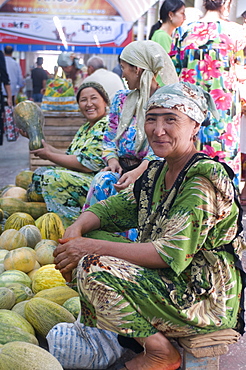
153,59
67,59
189,99
97,87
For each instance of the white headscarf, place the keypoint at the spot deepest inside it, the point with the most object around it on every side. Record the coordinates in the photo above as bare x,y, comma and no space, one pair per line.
153,59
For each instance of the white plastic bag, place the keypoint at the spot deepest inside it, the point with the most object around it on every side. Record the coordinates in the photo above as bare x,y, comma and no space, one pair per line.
81,347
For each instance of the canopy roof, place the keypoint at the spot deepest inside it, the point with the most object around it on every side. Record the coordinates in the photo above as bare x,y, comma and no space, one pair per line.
132,10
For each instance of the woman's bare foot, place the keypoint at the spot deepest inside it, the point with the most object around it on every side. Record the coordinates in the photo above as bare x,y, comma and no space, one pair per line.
159,354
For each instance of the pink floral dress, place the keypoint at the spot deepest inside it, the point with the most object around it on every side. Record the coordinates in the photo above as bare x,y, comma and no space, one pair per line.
206,54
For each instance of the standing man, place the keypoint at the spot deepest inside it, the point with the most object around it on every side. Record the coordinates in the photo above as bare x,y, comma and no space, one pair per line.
14,72
108,79
39,78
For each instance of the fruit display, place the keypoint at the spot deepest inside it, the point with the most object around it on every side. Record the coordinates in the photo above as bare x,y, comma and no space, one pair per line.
50,226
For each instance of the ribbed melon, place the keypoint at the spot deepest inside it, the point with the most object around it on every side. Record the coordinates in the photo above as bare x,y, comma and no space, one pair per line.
45,242
7,298
44,314
15,319
32,235
44,254
47,277
22,259
15,276
30,356
11,333
12,239
17,220
50,226
59,294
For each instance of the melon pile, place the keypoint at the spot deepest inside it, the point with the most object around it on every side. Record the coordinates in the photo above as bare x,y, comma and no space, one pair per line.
34,296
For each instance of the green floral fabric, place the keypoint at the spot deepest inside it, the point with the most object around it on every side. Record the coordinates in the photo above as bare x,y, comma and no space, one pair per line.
188,225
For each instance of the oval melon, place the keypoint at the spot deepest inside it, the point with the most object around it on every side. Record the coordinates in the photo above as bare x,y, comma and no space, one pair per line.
21,291
58,294
15,192
20,308
44,314
17,220
23,179
11,333
30,356
15,276
73,306
13,318
7,298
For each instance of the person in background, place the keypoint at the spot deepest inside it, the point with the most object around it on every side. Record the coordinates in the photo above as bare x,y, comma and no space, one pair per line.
172,16
207,54
117,69
28,86
4,80
182,277
64,188
72,68
14,72
39,78
98,73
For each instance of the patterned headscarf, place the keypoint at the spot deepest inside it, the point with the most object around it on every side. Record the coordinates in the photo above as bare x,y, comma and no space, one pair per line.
153,59
189,99
98,87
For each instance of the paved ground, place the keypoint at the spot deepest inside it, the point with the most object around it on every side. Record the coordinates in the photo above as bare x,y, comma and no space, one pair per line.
14,157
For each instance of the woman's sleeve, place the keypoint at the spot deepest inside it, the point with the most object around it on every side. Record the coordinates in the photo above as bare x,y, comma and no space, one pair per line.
117,213
200,218
109,144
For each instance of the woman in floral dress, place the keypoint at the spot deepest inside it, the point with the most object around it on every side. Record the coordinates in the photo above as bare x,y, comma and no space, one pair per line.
64,188
180,277
206,55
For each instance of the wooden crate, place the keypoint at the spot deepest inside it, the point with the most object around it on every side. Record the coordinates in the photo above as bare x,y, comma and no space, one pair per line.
59,130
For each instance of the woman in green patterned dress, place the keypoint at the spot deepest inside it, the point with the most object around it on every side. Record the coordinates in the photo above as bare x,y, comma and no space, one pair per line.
64,188
180,277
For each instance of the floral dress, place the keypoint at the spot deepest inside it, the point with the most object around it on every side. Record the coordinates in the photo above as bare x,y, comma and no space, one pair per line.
63,190
206,55
102,185
189,227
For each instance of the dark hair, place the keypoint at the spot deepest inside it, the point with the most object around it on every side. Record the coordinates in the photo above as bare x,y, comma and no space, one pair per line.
167,6
40,61
8,50
213,4
97,87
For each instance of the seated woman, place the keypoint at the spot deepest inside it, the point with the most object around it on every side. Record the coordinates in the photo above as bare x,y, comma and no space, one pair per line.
179,278
126,150
64,189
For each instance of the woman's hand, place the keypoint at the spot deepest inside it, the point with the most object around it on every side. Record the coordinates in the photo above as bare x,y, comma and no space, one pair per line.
126,179
70,251
113,165
44,152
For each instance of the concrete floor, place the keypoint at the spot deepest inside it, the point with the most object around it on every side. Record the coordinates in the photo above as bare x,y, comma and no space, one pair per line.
14,157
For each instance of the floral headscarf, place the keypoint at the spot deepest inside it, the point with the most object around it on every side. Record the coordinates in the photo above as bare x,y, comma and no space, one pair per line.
189,99
153,59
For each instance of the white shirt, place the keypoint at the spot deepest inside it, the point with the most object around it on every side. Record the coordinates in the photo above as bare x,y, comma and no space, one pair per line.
15,75
108,79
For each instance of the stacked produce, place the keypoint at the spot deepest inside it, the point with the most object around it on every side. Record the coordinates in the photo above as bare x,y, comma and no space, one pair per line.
34,296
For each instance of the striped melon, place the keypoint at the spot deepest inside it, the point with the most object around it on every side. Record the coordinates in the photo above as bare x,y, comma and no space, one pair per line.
44,314
13,318
50,226
73,306
21,291
32,235
11,333
7,298
30,357
12,239
17,220
15,276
